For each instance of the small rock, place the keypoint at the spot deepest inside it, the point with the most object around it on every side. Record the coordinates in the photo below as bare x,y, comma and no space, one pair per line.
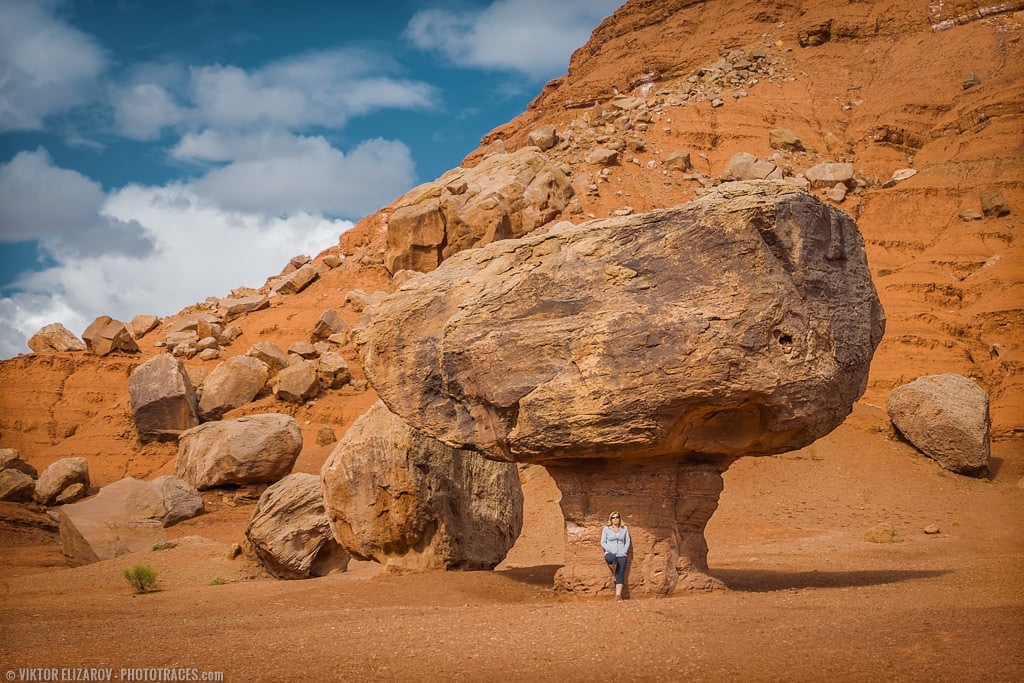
837,193
882,533
10,459
325,435
678,160
971,79
717,102
333,260
970,215
269,353
994,205
899,176
209,354
234,551
544,137
602,156
16,486
784,138
330,322
71,494
932,529
303,350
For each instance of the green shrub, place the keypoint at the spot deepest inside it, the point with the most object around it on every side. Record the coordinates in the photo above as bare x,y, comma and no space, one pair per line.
142,577
217,581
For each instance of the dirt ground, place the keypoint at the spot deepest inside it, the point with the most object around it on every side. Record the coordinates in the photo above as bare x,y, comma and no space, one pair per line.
808,597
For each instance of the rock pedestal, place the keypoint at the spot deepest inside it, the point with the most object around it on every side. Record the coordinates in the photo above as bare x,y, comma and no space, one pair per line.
665,504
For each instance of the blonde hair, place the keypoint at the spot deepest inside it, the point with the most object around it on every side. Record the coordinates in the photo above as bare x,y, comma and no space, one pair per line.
612,514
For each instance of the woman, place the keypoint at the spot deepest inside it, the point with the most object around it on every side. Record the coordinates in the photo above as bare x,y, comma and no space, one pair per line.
615,541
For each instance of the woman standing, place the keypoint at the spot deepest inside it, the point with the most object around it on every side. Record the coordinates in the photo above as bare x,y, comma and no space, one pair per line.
615,541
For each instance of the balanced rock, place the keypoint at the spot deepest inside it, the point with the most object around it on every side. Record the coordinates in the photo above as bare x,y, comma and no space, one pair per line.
506,195
163,401
54,337
232,384
10,459
248,450
124,517
399,497
742,323
106,335
289,531
16,486
60,475
946,417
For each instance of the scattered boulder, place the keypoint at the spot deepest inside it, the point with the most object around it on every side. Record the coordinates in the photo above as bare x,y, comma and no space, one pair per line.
16,486
231,308
330,322
945,417
143,324
836,193
333,260
785,139
303,350
332,369
297,383
411,503
271,354
232,384
505,195
602,156
105,335
325,435
163,401
745,166
10,459
54,337
124,517
994,205
544,137
248,450
294,282
970,214
581,352
60,475
71,494
828,173
678,160
289,531
898,176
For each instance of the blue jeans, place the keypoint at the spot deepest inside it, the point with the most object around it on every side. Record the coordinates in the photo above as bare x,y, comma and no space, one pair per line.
620,566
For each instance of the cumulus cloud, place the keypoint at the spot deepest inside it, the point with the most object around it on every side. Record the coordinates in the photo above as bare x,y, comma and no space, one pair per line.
62,209
46,66
315,89
533,37
200,250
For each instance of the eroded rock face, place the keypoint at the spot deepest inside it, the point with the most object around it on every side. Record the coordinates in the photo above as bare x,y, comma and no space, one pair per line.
250,450
946,417
742,323
399,497
289,531
163,401
506,195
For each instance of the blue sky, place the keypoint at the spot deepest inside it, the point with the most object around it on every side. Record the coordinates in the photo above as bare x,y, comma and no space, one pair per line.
156,153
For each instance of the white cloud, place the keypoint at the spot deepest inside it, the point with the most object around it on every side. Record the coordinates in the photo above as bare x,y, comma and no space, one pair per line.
315,89
201,250
46,66
534,37
62,209
280,173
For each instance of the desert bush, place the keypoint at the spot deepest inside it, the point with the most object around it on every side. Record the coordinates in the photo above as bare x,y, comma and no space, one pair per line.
217,581
142,578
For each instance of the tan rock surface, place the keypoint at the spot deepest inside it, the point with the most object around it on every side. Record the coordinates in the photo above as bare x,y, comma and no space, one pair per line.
407,501
232,384
54,337
289,531
163,401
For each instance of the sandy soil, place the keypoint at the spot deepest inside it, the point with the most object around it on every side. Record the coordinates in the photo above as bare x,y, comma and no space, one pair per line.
808,597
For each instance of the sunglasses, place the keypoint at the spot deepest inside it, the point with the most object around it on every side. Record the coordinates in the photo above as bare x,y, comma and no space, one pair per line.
615,517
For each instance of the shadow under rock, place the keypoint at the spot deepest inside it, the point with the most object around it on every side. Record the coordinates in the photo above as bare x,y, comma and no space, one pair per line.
766,581
541,575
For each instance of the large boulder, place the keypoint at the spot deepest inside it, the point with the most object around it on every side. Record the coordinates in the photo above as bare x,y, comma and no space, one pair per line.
105,335
232,384
946,417
506,195
163,401
249,450
289,531
124,517
742,323
54,337
408,501
59,476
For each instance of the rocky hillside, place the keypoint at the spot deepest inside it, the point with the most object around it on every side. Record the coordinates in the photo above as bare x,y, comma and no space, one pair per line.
654,110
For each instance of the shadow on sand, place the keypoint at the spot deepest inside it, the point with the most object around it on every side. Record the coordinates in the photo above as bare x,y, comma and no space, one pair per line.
766,581
541,575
